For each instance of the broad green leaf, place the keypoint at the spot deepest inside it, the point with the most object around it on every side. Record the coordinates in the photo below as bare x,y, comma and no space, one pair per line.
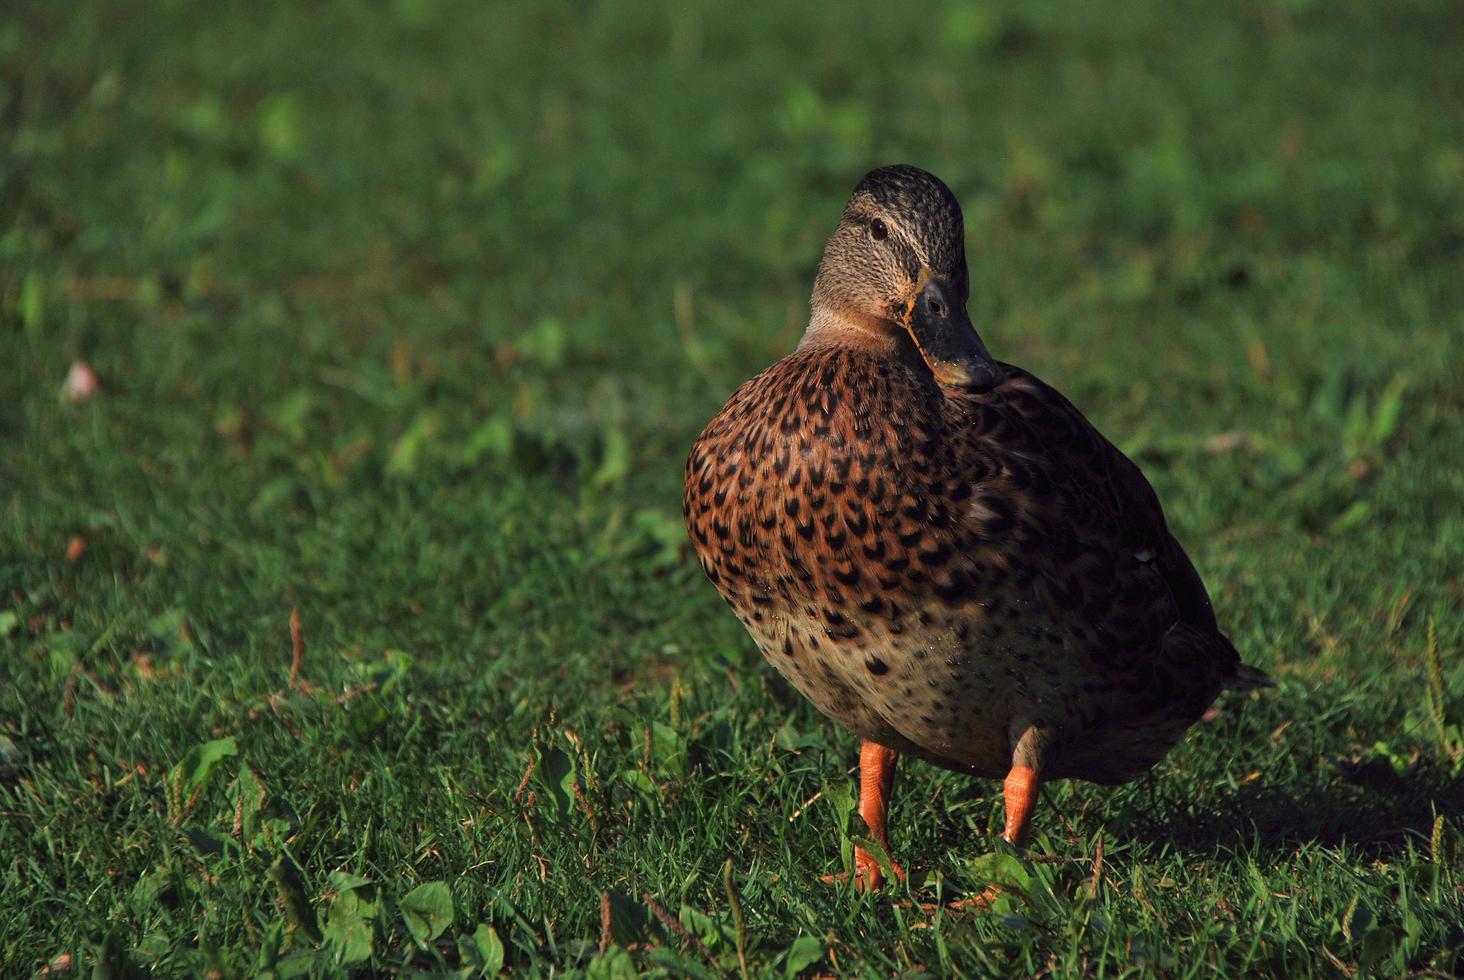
1147,951
703,926
349,926
487,949
613,964
639,781
668,748
198,765
556,772
247,794
1379,942
408,446
170,629
280,127
354,895
10,755
841,799
303,964
291,414
629,920
1354,515
661,532
290,891
545,343
64,650
614,463
428,911
839,796
1355,426
32,304
345,881
267,950
1389,411
805,951
998,868
390,671
877,851
493,438
679,964
272,493
152,887
1330,398
349,936
208,845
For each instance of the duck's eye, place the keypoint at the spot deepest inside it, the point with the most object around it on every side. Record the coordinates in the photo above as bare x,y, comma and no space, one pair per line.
878,231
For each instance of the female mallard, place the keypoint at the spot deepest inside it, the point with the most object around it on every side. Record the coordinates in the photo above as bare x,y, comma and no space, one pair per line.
935,547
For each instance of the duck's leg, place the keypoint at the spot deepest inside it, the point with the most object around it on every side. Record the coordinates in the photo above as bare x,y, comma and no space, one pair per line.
876,780
1024,781
1020,791
1023,784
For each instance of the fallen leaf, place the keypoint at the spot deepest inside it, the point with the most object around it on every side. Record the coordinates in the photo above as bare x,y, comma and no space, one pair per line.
80,384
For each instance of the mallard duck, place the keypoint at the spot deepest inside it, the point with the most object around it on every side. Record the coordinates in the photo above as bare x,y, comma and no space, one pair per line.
935,547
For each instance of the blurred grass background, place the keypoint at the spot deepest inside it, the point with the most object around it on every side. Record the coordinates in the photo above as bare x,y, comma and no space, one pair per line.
405,314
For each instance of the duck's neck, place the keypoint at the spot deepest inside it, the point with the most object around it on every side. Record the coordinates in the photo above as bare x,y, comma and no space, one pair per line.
849,329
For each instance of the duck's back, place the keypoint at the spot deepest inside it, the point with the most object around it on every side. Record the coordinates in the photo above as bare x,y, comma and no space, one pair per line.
936,569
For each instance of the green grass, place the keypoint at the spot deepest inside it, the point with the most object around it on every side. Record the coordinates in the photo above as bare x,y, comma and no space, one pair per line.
406,314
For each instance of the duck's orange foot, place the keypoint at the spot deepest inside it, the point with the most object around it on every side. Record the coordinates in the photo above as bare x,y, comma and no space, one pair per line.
868,875
960,906
876,779
977,903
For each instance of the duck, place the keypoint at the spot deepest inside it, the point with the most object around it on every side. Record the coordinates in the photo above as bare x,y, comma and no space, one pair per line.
936,548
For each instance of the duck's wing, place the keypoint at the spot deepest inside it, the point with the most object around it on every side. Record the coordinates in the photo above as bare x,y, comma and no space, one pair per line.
1134,580
1147,528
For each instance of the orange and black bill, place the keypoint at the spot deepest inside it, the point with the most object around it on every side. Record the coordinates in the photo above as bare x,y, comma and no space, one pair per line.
948,341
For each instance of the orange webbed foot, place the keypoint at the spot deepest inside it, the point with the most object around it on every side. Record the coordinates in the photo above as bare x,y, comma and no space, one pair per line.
868,875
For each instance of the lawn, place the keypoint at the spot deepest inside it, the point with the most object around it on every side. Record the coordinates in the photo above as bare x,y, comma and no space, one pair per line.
404,316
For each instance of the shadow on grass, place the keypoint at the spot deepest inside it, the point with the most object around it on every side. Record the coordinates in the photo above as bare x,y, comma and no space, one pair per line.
1371,813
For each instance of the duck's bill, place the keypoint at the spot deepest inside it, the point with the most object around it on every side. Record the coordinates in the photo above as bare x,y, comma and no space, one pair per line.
948,341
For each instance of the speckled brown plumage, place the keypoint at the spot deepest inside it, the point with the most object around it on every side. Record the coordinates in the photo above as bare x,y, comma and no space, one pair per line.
971,575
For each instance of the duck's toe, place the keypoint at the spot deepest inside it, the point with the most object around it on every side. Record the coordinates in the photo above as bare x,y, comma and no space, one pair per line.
868,875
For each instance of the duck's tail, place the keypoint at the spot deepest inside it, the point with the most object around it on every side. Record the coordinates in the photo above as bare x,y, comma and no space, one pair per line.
1248,678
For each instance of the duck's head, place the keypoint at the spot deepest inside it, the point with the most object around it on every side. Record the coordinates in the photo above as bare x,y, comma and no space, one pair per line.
897,263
